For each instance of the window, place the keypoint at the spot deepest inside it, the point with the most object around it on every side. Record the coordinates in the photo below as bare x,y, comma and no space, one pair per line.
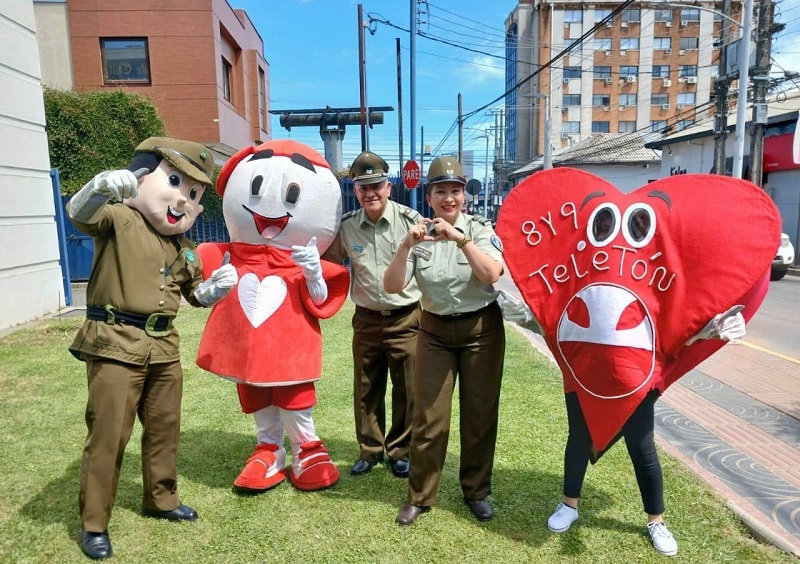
571,127
663,15
690,42
601,72
628,99
572,72
683,124
631,16
602,44
660,71
627,126
573,16
628,70
662,43
687,70
601,14
687,98
601,100
658,125
262,100
629,43
226,79
690,15
125,61
571,100
601,127
659,99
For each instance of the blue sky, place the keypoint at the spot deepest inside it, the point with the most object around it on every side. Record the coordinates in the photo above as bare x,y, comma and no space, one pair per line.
312,49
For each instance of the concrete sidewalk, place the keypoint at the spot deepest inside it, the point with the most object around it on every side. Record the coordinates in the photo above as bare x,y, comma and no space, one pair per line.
735,421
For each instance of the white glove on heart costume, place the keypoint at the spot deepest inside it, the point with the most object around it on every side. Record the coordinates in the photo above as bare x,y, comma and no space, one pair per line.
308,258
728,326
517,311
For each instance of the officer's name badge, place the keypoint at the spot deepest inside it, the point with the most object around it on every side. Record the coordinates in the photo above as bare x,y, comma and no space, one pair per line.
422,252
190,256
497,243
357,248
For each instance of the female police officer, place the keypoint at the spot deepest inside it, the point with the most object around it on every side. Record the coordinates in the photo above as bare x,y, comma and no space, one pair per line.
456,259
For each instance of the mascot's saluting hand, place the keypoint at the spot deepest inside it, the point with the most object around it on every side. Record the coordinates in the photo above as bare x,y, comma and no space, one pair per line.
282,206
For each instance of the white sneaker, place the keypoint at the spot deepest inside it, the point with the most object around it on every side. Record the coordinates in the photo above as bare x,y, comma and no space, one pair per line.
562,519
662,539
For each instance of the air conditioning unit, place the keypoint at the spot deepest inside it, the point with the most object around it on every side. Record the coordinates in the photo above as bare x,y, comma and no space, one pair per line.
623,24
668,24
684,23
667,83
668,51
679,106
622,108
565,135
609,24
630,78
566,81
691,80
623,53
609,80
664,106
606,108
682,52
608,53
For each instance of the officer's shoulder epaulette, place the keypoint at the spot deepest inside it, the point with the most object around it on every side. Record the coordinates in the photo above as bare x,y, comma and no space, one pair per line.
482,220
349,214
410,213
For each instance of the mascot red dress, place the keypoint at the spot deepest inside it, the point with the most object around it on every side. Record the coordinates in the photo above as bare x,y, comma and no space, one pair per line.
630,289
282,206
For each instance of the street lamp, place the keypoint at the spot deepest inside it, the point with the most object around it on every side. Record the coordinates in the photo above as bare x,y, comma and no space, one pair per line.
548,154
485,135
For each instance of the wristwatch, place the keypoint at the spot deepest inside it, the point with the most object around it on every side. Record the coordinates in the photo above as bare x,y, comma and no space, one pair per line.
463,241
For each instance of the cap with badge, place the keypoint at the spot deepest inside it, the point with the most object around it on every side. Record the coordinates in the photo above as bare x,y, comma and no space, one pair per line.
369,168
192,159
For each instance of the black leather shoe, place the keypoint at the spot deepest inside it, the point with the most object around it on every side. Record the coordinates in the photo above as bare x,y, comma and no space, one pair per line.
362,467
409,513
180,513
481,509
96,546
400,468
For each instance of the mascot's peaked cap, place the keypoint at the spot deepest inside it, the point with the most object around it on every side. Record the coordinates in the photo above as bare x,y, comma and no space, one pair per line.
280,148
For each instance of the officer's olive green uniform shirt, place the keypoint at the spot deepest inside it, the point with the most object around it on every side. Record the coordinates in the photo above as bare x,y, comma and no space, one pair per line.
446,279
370,247
136,270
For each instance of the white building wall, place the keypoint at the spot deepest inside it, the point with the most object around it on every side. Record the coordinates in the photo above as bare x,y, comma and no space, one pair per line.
30,274
626,178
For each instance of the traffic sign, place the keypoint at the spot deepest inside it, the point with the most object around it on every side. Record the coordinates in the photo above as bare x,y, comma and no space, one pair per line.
411,174
473,186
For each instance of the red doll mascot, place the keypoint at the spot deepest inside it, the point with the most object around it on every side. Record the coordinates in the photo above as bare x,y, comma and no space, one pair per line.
631,291
282,206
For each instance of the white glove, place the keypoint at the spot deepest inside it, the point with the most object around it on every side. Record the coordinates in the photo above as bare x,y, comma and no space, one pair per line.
219,284
517,311
117,184
308,259
728,326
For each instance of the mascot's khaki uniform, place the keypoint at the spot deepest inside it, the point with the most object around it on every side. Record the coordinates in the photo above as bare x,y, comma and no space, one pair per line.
131,349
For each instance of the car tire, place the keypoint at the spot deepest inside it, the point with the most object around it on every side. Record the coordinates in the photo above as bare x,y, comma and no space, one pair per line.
777,274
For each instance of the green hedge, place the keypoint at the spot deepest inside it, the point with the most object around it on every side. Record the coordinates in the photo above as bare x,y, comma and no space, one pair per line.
89,132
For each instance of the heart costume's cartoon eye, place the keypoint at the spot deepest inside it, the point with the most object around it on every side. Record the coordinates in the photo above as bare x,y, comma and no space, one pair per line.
639,225
604,224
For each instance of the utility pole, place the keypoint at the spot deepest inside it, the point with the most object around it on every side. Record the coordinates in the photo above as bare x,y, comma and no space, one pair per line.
362,80
744,82
460,129
760,87
413,87
400,102
721,86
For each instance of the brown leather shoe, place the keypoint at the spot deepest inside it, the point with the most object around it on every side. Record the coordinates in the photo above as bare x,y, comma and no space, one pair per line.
409,513
481,509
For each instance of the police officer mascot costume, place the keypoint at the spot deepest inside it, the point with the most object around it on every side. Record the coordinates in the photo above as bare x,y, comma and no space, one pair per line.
143,265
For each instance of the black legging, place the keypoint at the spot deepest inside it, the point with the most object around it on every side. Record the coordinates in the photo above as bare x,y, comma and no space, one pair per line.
639,439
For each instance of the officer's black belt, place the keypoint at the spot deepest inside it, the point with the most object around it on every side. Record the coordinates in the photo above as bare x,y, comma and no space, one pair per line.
388,313
461,315
157,322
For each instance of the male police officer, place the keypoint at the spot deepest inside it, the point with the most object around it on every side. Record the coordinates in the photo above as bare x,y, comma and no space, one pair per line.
384,325
143,264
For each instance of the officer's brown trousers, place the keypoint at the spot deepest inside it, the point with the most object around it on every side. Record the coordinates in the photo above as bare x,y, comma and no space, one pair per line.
471,349
117,394
382,345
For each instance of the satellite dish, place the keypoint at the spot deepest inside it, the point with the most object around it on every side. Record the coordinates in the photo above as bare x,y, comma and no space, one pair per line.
474,186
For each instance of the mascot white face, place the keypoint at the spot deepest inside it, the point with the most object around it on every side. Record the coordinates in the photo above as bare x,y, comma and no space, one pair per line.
280,194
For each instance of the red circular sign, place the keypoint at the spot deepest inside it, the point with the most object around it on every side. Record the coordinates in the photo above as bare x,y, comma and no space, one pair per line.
411,174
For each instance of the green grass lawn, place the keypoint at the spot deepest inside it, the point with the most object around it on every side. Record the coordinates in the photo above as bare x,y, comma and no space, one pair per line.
41,422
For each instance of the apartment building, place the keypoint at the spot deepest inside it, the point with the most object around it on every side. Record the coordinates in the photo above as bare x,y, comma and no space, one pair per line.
649,68
200,61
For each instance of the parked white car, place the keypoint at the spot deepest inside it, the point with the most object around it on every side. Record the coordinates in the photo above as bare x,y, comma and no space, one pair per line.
783,259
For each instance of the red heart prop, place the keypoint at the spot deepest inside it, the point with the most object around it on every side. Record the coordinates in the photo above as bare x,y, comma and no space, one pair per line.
619,282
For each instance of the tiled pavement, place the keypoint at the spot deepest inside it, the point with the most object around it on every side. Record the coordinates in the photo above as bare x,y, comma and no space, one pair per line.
735,421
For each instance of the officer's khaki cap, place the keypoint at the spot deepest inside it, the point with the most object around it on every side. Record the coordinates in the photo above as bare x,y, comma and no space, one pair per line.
192,159
368,168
